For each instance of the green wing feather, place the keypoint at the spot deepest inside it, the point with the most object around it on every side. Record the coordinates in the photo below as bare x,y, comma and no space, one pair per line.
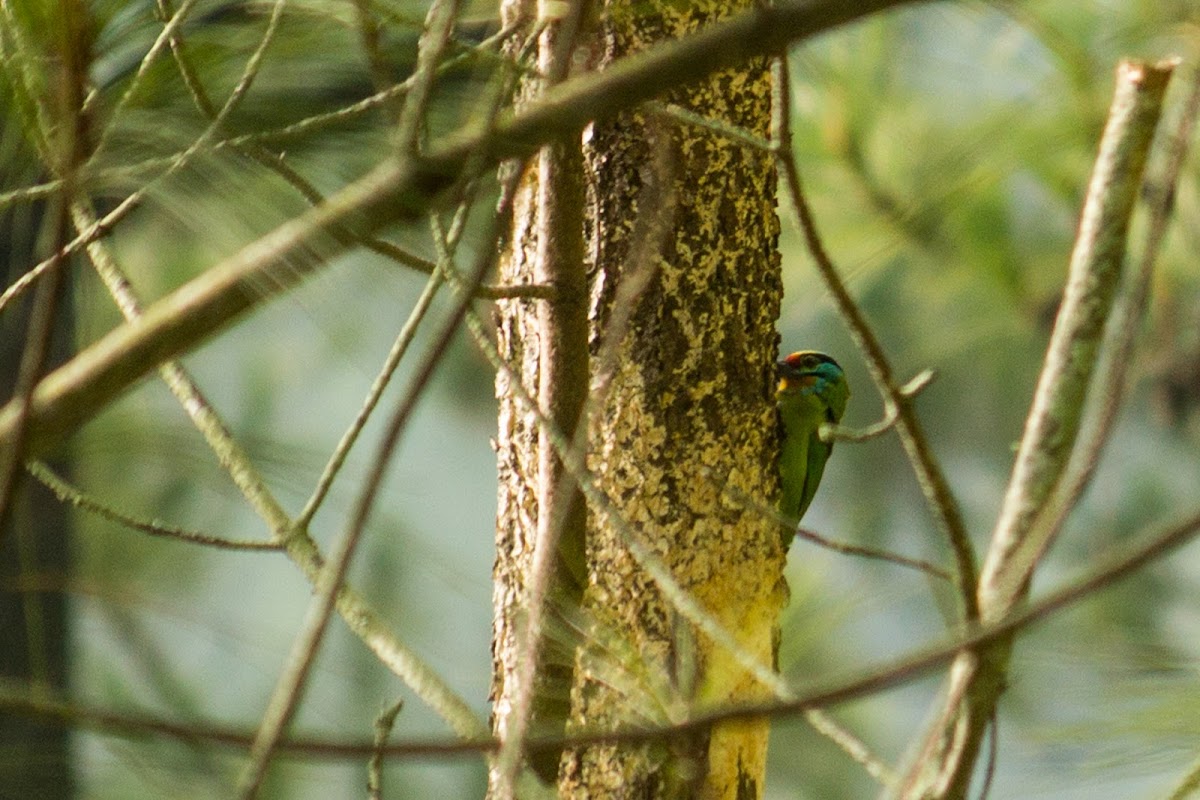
818,454
801,462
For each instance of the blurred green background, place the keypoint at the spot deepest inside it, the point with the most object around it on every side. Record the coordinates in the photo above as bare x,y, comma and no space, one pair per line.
946,150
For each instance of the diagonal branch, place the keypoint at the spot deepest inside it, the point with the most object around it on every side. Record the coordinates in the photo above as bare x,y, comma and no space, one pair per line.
946,757
1121,331
395,189
897,398
1095,273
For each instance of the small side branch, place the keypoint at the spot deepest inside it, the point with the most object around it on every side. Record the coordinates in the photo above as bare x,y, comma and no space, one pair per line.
67,493
848,549
830,432
383,729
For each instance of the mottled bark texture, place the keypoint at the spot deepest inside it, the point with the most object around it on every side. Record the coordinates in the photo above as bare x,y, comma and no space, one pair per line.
683,434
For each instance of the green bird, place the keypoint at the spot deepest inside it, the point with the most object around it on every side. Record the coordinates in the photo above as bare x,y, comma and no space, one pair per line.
812,390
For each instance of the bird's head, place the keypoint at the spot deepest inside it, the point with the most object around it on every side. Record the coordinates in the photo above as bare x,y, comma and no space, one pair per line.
811,379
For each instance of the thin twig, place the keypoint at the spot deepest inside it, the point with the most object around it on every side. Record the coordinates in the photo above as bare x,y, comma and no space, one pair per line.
395,354
399,347
831,432
30,194
874,553
898,671
156,49
734,133
831,544
908,426
69,494
83,238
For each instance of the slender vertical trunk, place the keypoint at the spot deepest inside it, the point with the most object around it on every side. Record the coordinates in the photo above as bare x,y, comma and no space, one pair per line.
542,515
34,562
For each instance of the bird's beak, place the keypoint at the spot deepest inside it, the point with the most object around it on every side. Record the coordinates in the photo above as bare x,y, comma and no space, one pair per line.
791,378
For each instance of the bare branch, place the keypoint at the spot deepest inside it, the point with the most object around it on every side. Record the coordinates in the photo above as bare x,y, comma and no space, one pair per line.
1128,310
898,671
1095,272
946,758
394,189
929,474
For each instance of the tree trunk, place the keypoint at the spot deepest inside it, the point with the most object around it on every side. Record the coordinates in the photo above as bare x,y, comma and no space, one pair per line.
681,428
34,561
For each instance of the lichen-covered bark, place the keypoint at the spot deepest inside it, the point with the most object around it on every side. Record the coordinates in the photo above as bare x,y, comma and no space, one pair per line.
683,434
686,430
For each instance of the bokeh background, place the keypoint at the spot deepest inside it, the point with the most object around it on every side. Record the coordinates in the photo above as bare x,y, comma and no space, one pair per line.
946,150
